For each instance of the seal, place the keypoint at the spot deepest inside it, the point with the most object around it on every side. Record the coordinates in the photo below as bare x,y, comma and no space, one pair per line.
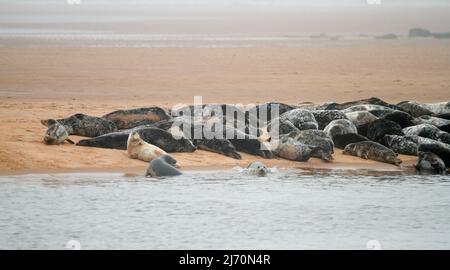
430,163
403,119
291,149
249,144
257,110
435,121
162,166
85,125
373,151
428,131
340,127
257,168
365,107
56,133
342,140
324,117
318,139
158,137
414,108
442,150
136,117
368,101
293,120
361,117
139,149
380,127
221,146
438,108
406,145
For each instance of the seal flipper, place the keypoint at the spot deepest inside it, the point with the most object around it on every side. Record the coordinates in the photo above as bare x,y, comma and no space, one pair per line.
70,141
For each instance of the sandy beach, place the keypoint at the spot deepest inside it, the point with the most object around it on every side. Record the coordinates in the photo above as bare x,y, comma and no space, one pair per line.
41,83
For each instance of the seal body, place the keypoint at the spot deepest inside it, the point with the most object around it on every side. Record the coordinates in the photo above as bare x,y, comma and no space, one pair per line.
365,107
221,146
435,121
162,166
324,117
367,101
340,127
257,168
441,150
318,139
403,119
373,151
86,125
361,117
342,140
139,149
428,131
136,117
296,119
291,149
56,133
380,127
438,108
414,108
406,145
430,163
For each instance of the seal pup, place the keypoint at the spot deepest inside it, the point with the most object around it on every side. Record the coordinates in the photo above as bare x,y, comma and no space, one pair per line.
136,117
324,117
430,163
257,168
428,131
139,149
414,108
291,149
380,127
56,133
221,146
361,117
442,150
162,166
342,140
316,138
340,127
373,151
85,125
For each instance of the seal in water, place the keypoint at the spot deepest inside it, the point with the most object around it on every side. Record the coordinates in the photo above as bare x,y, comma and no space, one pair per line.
373,151
221,146
137,117
291,149
342,140
428,131
139,149
162,166
155,136
380,127
430,163
257,168
340,127
56,133
403,119
324,117
414,108
360,118
296,119
442,150
316,138
85,125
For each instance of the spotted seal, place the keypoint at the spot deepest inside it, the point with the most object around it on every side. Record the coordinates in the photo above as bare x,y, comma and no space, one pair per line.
373,151
85,125
136,117
162,166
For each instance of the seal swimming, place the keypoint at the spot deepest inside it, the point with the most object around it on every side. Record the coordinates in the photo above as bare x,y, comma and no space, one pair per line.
257,168
139,149
430,163
85,125
136,117
162,166
373,151
56,133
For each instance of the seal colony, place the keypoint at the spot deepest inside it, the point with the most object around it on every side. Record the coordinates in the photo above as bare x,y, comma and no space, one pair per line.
368,128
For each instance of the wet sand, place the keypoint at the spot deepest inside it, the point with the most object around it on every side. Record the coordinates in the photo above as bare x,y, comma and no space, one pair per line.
41,83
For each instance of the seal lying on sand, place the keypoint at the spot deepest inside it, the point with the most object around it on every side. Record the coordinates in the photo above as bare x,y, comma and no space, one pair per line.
442,150
257,110
221,146
291,149
342,140
155,136
428,131
366,107
361,117
139,149
56,133
296,119
430,163
435,121
316,138
137,117
162,166
438,108
408,145
85,125
373,151
324,117
340,127
257,168
414,108
403,119
367,101
380,127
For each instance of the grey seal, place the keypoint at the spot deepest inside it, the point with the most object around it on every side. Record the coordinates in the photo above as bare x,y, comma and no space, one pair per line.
291,149
340,127
221,146
342,140
162,166
430,163
373,151
414,109
365,107
442,150
136,117
406,145
56,133
316,138
85,125
257,168
428,131
380,127
435,121
403,119
293,120
361,117
367,101
324,117
438,108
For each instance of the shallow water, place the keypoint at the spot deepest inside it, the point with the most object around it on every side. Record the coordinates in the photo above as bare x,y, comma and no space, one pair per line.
225,210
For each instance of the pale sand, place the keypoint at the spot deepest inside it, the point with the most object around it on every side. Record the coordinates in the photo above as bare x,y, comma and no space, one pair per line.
43,83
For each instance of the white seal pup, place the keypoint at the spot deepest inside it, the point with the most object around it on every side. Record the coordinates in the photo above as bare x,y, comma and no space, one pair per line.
139,149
